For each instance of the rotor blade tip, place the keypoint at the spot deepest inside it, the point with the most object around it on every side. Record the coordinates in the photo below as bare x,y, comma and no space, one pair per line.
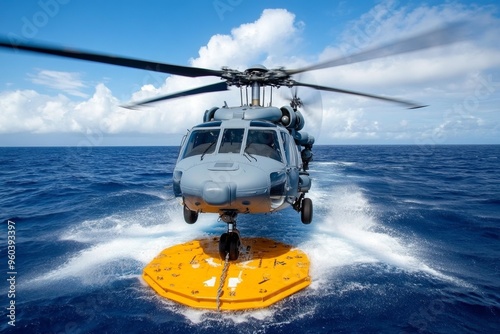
418,107
130,106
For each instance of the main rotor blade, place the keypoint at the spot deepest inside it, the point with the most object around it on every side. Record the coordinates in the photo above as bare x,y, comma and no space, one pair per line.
445,35
217,87
109,59
408,104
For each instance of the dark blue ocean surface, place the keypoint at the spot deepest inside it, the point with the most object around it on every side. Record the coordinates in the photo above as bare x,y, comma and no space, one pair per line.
405,239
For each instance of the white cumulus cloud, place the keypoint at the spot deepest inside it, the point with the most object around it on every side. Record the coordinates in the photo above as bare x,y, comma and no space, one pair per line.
68,82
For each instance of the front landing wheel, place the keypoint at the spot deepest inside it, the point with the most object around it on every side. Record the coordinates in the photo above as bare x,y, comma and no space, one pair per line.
306,211
229,243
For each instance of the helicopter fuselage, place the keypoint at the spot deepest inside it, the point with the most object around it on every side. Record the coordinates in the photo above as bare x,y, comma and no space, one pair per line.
240,160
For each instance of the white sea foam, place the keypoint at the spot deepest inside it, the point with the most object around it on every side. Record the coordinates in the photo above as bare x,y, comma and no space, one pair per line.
345,233
118,241
349,233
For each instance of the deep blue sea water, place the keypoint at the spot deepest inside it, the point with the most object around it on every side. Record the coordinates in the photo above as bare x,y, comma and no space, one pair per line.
405,239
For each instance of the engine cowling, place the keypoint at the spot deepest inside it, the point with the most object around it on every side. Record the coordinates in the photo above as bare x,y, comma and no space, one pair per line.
292,119
209,114
303,138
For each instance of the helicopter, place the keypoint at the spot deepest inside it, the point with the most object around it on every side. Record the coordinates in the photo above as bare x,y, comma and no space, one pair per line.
251,158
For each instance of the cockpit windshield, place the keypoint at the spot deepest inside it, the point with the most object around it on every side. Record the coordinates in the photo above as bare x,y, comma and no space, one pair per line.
264,143
201,142
231,141
259,142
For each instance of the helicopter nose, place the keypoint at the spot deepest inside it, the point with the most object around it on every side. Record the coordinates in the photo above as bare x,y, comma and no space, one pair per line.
212,187
219,193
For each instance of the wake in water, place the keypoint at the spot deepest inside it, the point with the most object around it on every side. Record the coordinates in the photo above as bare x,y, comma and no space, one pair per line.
348,233
345,233
120,245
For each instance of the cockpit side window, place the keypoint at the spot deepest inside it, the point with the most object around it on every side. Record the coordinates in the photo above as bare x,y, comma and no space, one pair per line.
231,141
201,142
290,149
264,143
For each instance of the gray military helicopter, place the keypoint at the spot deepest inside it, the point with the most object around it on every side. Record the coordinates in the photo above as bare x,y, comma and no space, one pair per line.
251,158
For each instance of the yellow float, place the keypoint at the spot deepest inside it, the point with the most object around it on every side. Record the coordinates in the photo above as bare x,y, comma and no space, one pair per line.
193,274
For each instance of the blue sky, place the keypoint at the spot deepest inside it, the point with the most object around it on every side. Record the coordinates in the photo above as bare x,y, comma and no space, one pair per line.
52,101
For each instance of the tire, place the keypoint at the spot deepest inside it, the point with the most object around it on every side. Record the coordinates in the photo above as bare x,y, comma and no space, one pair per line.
234,246
306,211
190,217
223,246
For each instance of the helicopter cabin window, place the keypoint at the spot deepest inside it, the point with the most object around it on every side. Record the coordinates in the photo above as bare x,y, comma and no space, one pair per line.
264,143
201,142
231,141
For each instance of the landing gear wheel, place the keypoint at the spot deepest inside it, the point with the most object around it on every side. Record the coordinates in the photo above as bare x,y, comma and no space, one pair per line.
190,217
229,243
306,211
234,246
223,245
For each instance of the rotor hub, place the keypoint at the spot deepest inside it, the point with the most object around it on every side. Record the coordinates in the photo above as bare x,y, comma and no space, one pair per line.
257,74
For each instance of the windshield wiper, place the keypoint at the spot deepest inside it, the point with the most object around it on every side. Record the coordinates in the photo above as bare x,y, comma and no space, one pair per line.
206,150
245,152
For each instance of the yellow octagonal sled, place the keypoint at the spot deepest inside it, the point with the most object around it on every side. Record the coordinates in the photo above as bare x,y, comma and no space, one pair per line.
193,274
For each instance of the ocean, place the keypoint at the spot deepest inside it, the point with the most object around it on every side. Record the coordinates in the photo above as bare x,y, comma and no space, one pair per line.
404,239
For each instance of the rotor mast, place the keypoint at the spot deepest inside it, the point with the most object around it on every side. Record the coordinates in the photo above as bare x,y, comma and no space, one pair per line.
255,94
256,77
